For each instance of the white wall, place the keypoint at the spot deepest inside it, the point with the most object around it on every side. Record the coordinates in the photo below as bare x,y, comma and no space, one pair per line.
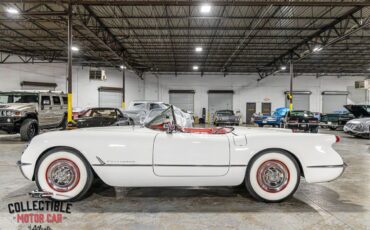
246,88
85,91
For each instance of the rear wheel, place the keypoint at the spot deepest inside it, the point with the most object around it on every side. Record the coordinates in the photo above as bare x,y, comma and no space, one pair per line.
260,125
29,129
272,176
314,130
65,174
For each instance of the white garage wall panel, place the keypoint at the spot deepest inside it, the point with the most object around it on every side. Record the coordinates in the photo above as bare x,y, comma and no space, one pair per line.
219,101
184,101
333,102
110,99
300,102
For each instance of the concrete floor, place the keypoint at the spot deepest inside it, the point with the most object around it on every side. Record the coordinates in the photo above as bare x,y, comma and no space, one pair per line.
341,204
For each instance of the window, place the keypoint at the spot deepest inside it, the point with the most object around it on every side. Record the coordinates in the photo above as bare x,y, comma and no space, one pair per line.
56,100
65,100
18,98
154,106
45,100
108,113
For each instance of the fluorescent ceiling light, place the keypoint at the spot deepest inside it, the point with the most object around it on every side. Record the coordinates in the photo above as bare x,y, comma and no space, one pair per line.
283,67
198,49
317,49
75,48
205,8
195,67
12,11
122,67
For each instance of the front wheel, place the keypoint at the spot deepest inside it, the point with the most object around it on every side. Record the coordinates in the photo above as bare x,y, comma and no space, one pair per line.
272,176
65,174
29,129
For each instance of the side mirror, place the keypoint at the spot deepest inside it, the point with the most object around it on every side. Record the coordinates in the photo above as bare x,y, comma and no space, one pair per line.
169,127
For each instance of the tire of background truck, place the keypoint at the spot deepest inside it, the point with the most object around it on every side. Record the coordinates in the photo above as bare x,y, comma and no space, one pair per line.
64,123
332,128
29,129
260,125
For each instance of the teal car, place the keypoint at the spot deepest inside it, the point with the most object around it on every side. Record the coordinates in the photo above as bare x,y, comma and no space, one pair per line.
275,120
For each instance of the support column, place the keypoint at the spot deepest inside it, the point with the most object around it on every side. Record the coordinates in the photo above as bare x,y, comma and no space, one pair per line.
123,89
291,86
69,71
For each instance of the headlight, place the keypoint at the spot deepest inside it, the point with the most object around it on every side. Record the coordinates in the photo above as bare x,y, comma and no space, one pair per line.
10,113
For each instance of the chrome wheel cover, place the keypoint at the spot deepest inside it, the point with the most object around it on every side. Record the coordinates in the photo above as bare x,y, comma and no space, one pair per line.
273,176
62,175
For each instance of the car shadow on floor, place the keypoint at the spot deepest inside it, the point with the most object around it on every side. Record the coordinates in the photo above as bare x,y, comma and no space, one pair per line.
202,199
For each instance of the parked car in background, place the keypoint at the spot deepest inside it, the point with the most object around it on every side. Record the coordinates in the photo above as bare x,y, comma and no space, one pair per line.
302,120
182,118
359,127
98,117
27,111
269,162
139,110
225,117
276,119
336,120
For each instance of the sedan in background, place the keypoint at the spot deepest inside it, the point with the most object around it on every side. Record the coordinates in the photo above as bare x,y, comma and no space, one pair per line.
359,127
225,117
99,117
276,119
302,120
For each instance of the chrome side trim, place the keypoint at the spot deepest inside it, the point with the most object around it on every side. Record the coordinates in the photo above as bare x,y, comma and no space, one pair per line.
328,166
160,165
19,163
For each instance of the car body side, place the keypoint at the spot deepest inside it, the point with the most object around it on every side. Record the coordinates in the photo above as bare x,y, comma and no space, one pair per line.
123,156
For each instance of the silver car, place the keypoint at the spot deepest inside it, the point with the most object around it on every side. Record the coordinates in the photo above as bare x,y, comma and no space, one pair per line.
138,112
359,127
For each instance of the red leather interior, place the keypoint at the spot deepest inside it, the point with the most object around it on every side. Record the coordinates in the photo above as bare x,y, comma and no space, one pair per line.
218,130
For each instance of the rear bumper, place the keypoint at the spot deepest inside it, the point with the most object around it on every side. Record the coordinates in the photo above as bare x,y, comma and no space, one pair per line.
323,173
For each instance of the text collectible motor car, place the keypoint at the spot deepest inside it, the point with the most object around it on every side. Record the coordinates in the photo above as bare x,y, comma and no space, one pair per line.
27,111
162,153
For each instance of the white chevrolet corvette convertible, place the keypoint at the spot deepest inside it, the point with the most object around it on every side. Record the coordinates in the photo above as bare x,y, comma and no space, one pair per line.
270,162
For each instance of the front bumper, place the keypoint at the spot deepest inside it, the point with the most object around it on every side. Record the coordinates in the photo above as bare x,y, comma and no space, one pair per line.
21,165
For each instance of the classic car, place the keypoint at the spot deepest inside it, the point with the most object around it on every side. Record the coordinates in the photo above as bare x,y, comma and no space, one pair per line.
276,119
359,127
139,110
98,117
302,120
162,153
225,117
335,120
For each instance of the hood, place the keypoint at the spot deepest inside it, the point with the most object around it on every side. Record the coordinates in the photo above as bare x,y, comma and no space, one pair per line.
18,106
359,120
359,110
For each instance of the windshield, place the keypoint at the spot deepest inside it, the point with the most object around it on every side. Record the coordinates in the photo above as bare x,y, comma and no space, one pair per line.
280,112
299,113
162,119
18,98
109,113
225,113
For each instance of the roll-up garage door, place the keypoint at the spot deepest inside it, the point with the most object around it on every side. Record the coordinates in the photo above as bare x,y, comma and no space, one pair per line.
184,99
220,100
301,100
110,97
333,100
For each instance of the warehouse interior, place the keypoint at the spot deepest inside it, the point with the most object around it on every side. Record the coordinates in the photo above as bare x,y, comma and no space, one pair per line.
202,56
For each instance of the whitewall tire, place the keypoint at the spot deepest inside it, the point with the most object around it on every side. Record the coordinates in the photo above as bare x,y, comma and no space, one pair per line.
272,176
64,173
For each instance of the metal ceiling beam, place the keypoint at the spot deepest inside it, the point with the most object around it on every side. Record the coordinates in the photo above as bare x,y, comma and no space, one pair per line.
105,37
319,38
196,3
